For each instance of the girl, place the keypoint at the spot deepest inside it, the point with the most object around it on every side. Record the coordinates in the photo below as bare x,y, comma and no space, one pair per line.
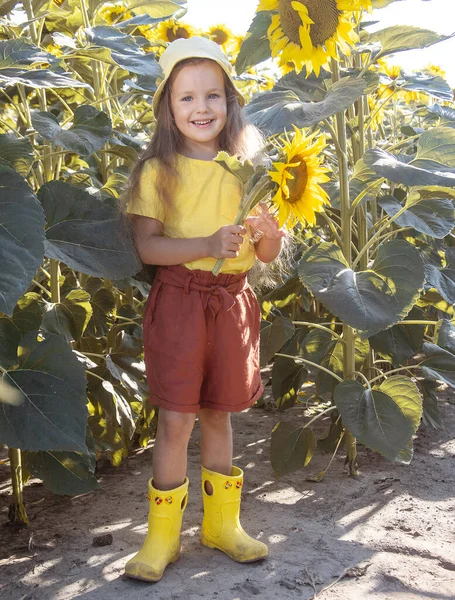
201,332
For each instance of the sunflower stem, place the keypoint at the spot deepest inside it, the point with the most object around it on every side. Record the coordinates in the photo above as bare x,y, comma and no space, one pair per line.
346,229
17,514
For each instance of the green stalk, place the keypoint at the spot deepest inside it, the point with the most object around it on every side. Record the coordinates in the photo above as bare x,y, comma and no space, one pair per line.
55,280
17,514
346,234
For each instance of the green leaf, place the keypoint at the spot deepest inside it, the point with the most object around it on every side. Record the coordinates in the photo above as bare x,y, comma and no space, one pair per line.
392,168
28,312
405,37
21,53
156,8
255,47
86,234
21,237
443,279
309,88
400,342
427,84
70,317
446,336
18,152
53,415
439,364
274,112
40,79
10,337
436,150
431,416
64,473
242,169
91,129
434,216
369,301
325,383
383,419
292,448
103,305
287,379
273,337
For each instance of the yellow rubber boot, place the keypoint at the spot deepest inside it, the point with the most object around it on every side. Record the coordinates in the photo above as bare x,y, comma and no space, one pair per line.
221,525
162,544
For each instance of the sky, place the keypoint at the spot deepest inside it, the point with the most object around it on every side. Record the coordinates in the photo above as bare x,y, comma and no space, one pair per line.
437,15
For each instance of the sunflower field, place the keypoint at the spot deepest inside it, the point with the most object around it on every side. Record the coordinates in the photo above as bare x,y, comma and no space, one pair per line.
361,171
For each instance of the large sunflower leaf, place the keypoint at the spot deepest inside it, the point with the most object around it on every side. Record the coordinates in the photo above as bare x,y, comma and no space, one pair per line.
20,53
21,237
53,415
439,364
369,301
273,337
156,8
428,84
288,375
382,419
405,37
389,166
431,416
291,447
275,112
91,129
40,78
309,88
400,342
28,312
70,317
10,337
325,383
446,336
443,279
86,234
255,47
446,113
16,151
434,216
64,473
436,150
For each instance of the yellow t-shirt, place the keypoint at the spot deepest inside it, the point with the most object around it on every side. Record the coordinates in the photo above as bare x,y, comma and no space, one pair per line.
206,198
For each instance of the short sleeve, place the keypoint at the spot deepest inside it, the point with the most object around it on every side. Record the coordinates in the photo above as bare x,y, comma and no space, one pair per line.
146,201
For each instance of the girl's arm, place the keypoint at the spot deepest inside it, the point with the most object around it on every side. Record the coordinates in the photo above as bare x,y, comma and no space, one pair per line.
267,249
267,233
155,249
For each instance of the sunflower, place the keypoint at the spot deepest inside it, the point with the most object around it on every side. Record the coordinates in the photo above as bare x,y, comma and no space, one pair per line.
435,70
299,195
386,90
222,35
114,13
310,32
172,30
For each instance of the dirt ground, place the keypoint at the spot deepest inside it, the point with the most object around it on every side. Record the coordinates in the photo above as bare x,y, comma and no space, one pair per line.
389,535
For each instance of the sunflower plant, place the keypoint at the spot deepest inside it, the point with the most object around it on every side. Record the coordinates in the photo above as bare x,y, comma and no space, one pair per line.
371,268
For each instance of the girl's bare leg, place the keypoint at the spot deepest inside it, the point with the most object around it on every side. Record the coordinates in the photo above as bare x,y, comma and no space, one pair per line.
216,441
171,446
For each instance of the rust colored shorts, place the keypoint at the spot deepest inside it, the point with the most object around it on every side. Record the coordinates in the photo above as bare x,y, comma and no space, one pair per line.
201,341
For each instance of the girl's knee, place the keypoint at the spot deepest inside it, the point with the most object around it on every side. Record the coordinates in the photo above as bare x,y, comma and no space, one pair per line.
175,425
214,418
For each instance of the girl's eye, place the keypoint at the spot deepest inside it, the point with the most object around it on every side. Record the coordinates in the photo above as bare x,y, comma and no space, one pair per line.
186,99
211,96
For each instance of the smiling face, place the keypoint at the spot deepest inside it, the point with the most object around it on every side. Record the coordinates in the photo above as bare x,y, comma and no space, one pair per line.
198,102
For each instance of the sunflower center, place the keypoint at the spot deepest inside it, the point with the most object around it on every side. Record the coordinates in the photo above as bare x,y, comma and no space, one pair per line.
219,36
297,186
324,14
179,33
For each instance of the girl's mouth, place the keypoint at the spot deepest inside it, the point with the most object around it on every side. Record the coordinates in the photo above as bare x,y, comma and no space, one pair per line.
202,124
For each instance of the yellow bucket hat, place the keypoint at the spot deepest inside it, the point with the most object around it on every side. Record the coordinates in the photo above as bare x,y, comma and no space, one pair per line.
193,47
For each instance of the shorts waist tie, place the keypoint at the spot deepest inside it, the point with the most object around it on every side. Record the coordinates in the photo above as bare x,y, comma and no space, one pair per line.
220,296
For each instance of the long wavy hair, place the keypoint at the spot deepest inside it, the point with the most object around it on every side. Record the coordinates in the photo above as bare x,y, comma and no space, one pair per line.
238,137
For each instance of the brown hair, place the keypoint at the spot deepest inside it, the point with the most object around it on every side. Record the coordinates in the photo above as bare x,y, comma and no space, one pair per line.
238,137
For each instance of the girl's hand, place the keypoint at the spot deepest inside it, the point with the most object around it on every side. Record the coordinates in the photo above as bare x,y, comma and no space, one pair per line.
265,225
226,242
